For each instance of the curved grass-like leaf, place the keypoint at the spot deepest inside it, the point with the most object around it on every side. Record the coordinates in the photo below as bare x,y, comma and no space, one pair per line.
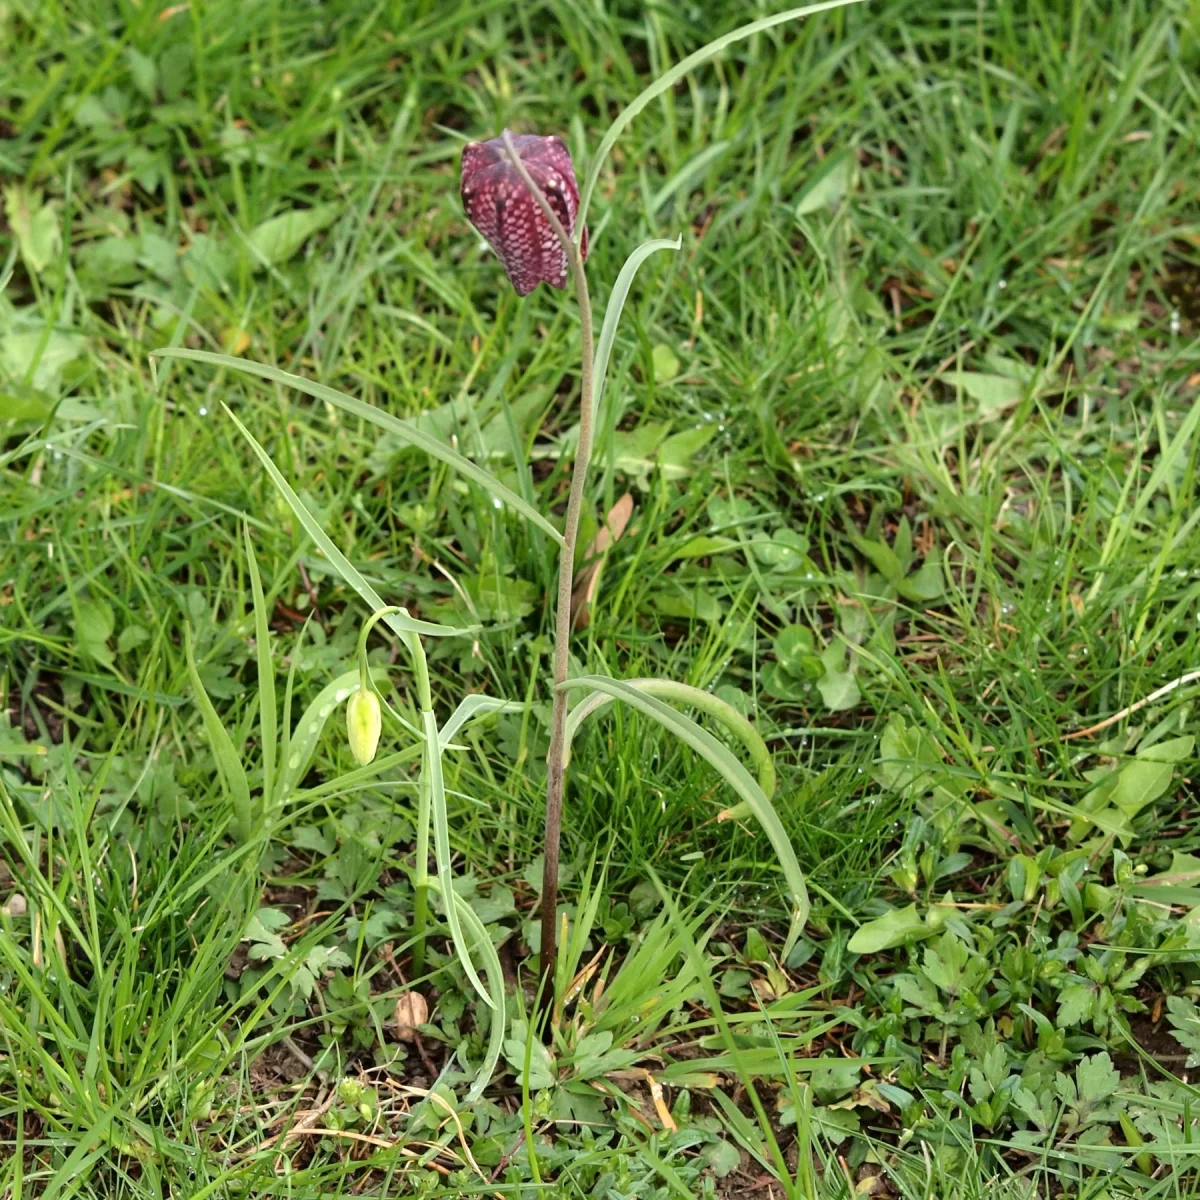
400,623
229,764
441,852
267,716
731,770
668,79
616,303
491,964
406,431
684,693
470,708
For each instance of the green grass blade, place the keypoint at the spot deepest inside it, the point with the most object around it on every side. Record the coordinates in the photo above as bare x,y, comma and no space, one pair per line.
267,716
398,622
441,852
731,770
667,80
470,708
229,764
495,999
404,430
684,693
616,304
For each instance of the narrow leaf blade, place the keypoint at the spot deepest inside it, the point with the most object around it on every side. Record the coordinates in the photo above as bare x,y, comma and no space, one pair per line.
397,621
470,708
267,717
441,852
228,762
616,303
406,431
730,769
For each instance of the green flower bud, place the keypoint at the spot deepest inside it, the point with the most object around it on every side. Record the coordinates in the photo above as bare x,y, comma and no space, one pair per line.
364,722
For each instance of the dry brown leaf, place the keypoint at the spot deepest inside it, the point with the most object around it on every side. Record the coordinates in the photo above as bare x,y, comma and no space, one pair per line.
411,1011
588,579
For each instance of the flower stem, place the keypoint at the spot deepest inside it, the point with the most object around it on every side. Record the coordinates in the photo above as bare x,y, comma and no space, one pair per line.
556,757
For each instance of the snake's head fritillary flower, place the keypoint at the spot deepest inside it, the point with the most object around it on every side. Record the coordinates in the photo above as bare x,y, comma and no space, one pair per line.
503,209
364,724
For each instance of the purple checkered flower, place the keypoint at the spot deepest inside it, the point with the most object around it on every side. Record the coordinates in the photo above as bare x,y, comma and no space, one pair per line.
502,208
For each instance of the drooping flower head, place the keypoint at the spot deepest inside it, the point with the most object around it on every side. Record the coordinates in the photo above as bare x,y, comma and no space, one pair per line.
503,209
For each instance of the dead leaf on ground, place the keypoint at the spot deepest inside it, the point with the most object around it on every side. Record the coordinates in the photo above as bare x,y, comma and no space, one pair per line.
411,1010
588,579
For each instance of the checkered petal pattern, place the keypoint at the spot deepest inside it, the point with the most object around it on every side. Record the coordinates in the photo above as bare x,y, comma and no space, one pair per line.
505,212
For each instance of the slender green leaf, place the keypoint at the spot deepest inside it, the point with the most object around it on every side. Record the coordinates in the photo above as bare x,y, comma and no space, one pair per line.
405,431
441,852
400,623
229,765
683,693
267,717
470,708
730,769
616,303
668,79
495,999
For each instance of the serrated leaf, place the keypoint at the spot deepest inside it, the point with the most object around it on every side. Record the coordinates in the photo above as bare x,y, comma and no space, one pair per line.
993,393
1096,1079
541,1062
275,241
894,928
35,225
1185,1026
1076,1003
837,686
721,1158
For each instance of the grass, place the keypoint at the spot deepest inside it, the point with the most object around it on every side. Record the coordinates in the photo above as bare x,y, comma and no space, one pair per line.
914,406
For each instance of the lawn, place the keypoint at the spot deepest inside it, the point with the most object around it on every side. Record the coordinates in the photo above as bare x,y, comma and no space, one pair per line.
897,458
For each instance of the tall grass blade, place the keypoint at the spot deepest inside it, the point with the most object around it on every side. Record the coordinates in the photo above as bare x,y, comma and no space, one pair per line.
441,852
616,304
406,431
731,770
668,79
267,716
229,764
400,623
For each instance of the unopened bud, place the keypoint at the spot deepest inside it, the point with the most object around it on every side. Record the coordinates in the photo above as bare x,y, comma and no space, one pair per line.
364,722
